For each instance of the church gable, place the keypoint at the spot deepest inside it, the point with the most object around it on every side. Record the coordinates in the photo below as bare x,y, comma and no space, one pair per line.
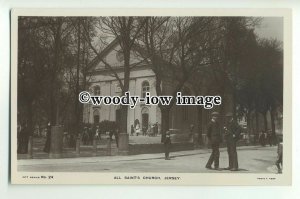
113,55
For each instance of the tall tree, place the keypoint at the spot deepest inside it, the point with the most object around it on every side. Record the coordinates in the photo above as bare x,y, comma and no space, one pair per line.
176,48
238,39
125,30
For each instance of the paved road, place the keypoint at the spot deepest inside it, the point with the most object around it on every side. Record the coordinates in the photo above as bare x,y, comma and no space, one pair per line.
252,159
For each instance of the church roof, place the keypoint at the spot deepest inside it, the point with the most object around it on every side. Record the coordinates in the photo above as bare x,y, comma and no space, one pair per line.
111,46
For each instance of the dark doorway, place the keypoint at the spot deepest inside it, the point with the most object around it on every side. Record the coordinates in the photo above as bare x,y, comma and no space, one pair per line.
145,122
96,116
96,119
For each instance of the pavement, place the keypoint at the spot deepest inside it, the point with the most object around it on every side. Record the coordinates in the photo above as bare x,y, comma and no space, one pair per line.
252,159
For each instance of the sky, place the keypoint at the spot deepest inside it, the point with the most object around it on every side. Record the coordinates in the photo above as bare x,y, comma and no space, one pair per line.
271,27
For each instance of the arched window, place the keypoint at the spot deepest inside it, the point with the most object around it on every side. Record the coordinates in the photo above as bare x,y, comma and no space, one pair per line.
145,88
97,90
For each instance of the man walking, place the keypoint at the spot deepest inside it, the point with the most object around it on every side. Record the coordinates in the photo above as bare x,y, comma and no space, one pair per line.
155,129
167,144
132,130
214,136
279,153
98,134
232,133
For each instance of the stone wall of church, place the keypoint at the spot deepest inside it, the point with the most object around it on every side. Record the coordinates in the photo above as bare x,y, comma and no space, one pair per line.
109,86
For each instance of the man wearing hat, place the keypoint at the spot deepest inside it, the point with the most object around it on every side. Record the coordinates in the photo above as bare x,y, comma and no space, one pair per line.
215,138
232,133
167,144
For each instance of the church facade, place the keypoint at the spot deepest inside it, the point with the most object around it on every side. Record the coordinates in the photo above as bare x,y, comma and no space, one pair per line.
142,80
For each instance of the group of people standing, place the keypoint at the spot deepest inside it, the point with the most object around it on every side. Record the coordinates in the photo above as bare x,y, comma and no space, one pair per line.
89,135
215,132
265,137
150,130
231,132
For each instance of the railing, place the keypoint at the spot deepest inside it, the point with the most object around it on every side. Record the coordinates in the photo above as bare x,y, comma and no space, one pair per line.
60,146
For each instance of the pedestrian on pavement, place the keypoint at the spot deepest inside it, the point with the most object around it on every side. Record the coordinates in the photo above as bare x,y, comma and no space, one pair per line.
91,135
48,139
247,138
155,129
262,138
132,130
279,155
111,133
137,129
215,138
116,134
167,145
149,130
98,134
191,134
152,130
232,134
85,137
265,136
270,138
144,129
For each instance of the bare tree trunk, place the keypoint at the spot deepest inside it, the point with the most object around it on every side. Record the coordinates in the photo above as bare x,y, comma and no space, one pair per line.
123,122
265,121
52,106
77,112
165,116
124,112
249,126
234,96
256,125
222,110
272,113
199,124
29,131
56,65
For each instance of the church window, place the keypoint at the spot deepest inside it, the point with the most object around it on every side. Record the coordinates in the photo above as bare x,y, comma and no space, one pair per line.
145,88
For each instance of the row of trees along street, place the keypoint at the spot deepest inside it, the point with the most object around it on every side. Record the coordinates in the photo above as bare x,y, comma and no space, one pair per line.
219,55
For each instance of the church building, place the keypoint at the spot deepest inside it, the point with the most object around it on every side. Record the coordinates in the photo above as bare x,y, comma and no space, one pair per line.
142,80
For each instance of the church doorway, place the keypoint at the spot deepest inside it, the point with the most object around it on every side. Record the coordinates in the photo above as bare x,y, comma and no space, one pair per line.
96,116
145,120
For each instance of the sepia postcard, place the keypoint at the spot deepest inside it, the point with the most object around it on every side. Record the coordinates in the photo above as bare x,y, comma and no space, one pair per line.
151,96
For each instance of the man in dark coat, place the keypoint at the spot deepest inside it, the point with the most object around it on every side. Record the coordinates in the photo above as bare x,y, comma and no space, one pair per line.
215,138
232,134
155,129
279,153
116,134
167,145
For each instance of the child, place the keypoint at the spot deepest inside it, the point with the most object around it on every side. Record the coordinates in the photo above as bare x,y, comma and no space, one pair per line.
279,158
